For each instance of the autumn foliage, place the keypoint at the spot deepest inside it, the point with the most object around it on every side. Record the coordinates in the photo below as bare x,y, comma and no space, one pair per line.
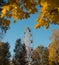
20,9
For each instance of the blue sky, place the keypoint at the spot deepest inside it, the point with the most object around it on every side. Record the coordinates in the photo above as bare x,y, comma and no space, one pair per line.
40,36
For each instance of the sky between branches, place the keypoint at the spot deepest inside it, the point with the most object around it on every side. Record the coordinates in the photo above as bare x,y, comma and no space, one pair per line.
40,36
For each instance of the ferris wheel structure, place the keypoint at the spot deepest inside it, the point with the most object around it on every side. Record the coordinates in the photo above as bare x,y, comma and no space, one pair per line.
28,41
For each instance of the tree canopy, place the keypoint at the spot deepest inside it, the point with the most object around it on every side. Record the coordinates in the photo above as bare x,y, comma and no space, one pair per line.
4,53
53,48
20,9
20,53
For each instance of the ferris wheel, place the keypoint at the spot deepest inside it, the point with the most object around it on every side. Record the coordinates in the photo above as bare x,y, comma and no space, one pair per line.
28,43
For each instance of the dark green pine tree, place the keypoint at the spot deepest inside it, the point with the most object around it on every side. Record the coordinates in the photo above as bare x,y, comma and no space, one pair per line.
4,54
20,53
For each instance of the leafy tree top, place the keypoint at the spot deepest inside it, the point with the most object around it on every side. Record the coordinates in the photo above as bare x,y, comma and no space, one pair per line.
20,9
